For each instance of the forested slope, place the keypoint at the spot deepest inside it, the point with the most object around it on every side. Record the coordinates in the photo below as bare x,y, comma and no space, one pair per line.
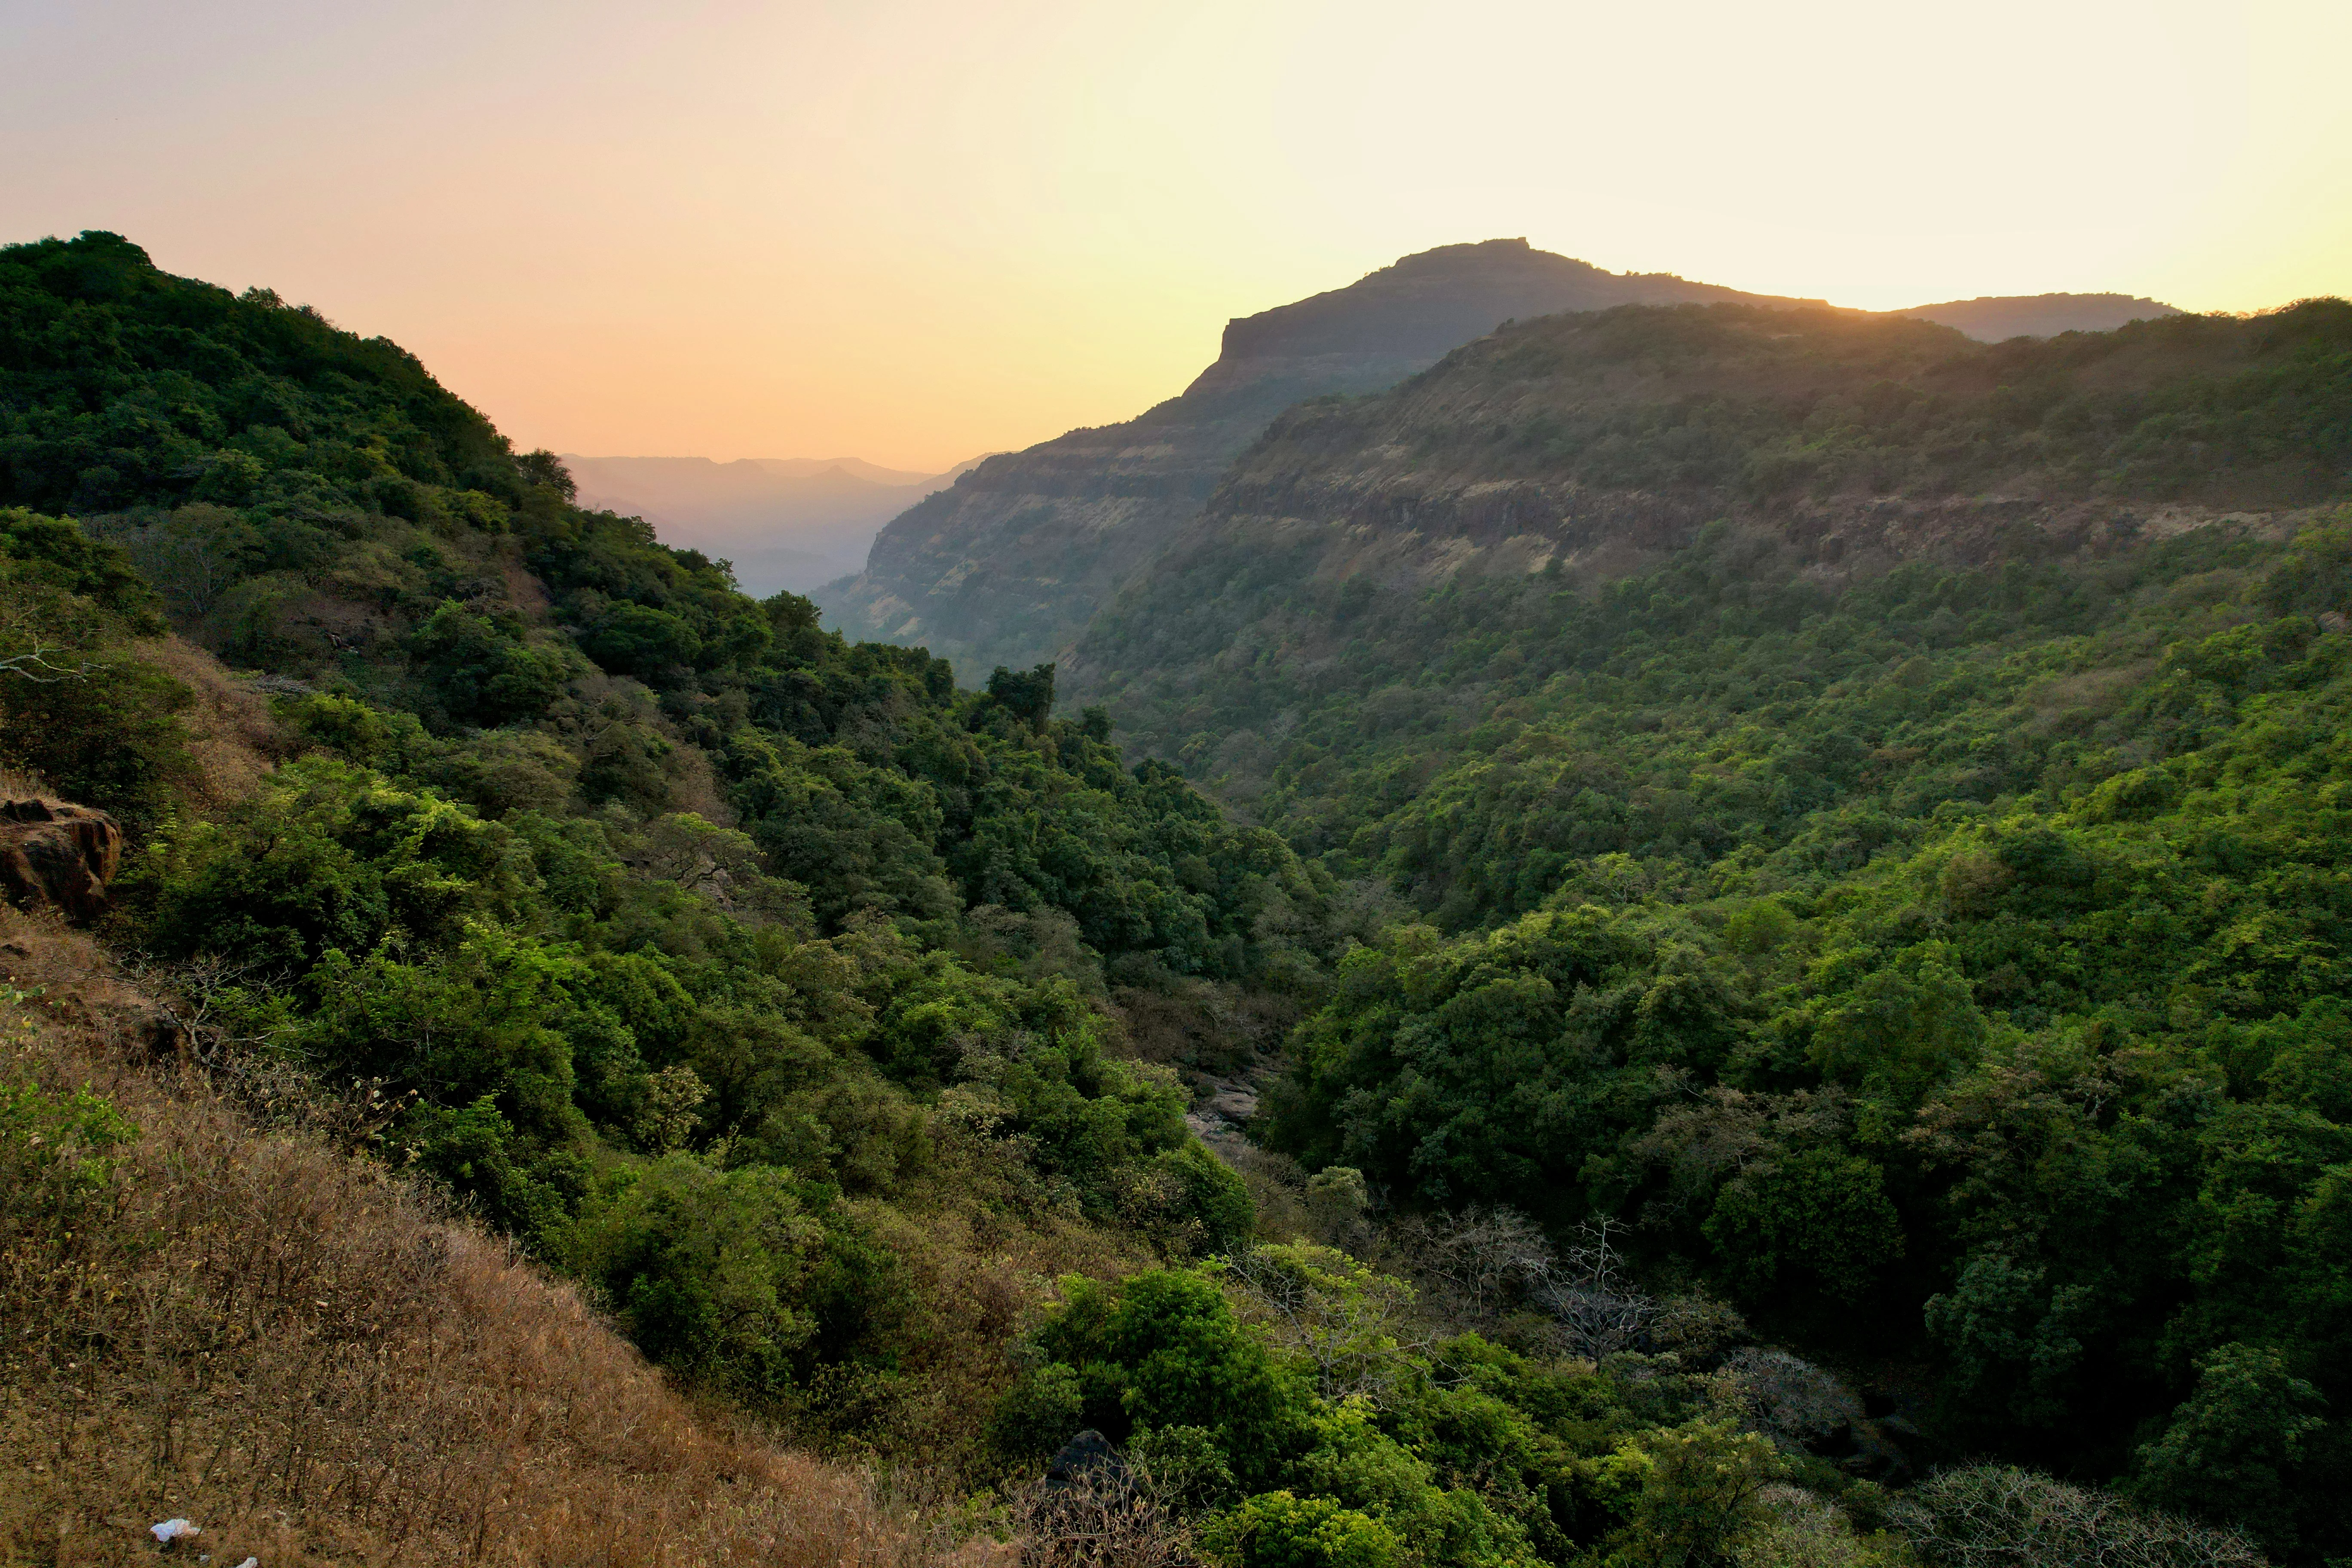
739,970
1878,807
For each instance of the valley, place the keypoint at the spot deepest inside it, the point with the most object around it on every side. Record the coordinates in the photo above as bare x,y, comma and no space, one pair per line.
1560,917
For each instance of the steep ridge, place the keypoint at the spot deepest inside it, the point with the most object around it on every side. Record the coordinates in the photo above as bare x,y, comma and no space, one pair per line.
1597,444
1004,567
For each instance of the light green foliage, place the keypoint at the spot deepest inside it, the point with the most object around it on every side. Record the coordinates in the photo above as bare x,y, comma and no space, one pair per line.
707,1268
1276,1530
1697,1495
57,1166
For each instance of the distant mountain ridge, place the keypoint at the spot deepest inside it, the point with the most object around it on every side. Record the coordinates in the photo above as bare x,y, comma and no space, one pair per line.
1993,319
1579,449
1007,565
785,522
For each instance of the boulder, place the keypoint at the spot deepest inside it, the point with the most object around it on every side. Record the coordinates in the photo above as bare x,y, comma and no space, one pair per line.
1087,1460
58,855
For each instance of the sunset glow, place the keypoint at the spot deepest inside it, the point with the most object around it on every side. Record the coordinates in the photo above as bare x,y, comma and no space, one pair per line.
914,231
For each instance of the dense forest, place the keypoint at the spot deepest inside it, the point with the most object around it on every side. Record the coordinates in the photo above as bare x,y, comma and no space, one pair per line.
1938,956
1781,1067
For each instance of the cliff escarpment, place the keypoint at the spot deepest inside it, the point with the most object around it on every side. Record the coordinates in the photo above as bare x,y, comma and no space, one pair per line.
1006,566
1577,449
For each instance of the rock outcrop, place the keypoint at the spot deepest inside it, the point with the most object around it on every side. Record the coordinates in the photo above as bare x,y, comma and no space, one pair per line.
58,855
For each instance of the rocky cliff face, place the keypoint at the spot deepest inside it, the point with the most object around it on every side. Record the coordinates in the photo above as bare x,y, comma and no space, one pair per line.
56,856
1007,565
1590,447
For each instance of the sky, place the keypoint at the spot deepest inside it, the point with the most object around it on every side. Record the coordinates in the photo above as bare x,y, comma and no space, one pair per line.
915,230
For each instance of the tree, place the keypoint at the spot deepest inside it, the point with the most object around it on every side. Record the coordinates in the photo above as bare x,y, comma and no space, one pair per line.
1027,696
2234,1449
1697,1494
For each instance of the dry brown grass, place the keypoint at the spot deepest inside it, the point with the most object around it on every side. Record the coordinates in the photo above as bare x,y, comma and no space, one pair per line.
291,1348
232,734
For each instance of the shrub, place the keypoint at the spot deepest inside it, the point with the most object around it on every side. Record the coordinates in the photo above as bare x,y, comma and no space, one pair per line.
1997,1516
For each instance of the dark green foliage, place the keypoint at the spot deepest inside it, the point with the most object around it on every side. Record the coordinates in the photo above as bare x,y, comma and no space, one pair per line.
1027,696
1974,993
122,386
1764,405
1467,1453
76,709
2235,1449
481,672
668,921
50,553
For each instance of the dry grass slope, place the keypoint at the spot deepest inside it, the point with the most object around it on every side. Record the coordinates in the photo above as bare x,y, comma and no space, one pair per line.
249,1328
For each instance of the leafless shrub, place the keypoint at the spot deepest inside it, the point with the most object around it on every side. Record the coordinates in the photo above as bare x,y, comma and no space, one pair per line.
1102,1518
1802,1529
1696,1327
200,997
1488,1258
1491,1260
1790,1400
1998,1516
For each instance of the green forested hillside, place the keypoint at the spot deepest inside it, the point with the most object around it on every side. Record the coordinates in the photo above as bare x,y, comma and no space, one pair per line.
1935,943
705,953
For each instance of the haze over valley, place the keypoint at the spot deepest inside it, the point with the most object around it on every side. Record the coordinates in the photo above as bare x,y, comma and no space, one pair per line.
786,523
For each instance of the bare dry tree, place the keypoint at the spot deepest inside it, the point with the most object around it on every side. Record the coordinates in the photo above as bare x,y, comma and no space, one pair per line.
1490,1257
1590,1297
197,995
36,666
19,624
1998,1516
1493,1259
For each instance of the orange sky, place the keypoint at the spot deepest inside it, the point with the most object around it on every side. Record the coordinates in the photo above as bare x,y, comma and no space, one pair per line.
912,230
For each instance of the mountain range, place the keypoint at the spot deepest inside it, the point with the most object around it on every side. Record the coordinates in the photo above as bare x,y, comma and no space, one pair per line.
1006,566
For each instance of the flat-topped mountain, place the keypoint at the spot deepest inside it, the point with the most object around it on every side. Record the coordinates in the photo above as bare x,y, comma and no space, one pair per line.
1993,319
1579,448
1005,567
1404,317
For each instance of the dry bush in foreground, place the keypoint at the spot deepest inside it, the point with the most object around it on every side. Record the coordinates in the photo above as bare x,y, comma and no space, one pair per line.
1997,1516
246,1329
1100,1518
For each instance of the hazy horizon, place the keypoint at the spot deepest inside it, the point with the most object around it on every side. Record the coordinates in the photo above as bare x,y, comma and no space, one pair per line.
915,232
